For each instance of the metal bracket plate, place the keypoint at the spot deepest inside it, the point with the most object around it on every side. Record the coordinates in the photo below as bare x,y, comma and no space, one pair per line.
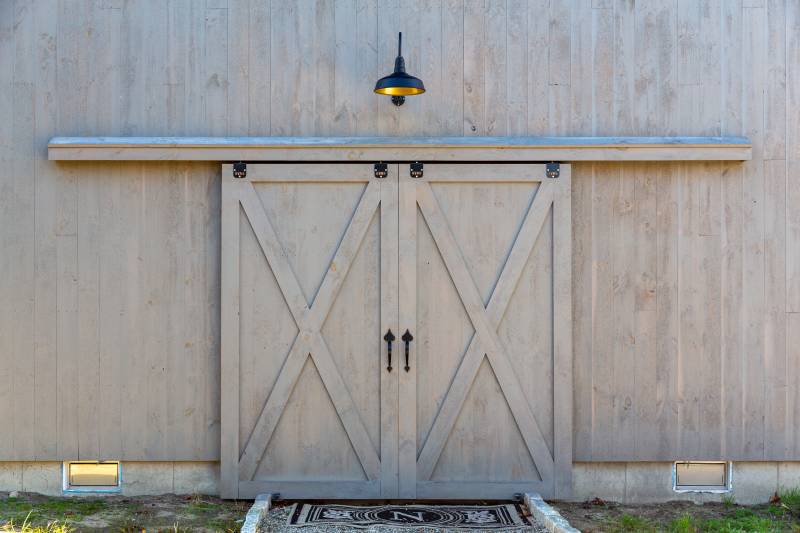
239,170
416,169
381,170
552,170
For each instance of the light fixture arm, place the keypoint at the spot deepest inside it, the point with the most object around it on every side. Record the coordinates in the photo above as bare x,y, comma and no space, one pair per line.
399,62
399,66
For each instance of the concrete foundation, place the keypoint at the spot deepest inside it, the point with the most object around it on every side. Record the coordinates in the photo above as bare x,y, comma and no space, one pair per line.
138,478
643,482
635,482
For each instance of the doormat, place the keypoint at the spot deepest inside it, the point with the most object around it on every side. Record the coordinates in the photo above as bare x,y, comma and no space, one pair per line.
410,516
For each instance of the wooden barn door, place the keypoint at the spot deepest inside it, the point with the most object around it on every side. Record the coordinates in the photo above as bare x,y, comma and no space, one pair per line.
309,274
485,276
468,265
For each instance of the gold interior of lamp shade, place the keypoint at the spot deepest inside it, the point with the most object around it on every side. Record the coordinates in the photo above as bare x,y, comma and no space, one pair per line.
399,91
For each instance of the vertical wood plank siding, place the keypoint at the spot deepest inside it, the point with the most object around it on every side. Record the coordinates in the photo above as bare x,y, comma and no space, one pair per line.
686,276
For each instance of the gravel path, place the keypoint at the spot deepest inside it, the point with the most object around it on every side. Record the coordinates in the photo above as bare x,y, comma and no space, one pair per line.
275,522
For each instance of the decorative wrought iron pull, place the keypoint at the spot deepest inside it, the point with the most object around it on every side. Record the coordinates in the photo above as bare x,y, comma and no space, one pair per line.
389,337
407,338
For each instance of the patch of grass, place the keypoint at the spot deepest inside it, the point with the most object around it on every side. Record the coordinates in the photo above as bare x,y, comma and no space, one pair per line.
129,528
50,510
684,524
33,513
789,499
12,509
728,500
781,515
176,528
51,527
744,524
73,510
200,507
745,519
225,525
27,527
738,520
628,523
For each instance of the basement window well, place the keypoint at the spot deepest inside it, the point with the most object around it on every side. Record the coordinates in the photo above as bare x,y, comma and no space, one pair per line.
92,476
701,476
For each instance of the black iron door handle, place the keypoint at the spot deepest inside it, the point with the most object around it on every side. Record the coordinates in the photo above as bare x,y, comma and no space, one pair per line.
407,338
389,337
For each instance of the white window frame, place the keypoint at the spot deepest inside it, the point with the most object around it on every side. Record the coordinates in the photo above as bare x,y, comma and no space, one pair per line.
709,489
66,488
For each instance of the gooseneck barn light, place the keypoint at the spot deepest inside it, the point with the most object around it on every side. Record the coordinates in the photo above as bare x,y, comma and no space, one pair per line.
399,84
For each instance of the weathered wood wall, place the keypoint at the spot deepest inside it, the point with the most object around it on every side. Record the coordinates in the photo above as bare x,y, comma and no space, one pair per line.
686,276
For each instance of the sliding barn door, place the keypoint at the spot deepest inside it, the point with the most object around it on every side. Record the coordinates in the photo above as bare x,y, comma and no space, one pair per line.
468,266
309,275
484,290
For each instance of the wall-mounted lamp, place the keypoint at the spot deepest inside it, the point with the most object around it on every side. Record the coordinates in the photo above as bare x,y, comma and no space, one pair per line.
398,84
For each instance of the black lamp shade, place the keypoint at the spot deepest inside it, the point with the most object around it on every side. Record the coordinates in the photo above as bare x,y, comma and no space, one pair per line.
399,83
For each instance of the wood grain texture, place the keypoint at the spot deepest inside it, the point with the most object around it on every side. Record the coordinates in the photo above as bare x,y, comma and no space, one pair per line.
76,293
320,242
393,148
491,358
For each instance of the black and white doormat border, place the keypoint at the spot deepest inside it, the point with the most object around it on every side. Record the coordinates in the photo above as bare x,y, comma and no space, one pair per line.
480,517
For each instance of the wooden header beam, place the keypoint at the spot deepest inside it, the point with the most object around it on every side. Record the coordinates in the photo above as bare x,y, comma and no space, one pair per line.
400,149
